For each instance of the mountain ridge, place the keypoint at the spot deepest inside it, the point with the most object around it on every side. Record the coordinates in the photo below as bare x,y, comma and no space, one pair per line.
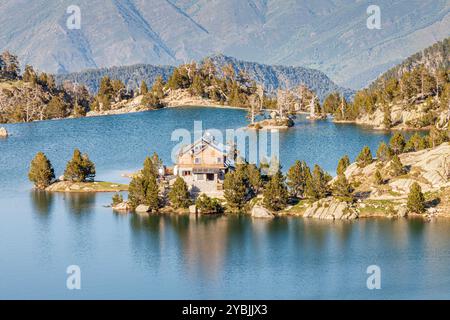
328,35
271,76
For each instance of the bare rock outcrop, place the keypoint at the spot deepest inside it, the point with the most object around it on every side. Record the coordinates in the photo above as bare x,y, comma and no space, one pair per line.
430,168
331,209
401,117
3,132
122,207
261,212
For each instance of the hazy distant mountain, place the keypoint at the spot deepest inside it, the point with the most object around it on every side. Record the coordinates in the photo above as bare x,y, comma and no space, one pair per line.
329,35
273,77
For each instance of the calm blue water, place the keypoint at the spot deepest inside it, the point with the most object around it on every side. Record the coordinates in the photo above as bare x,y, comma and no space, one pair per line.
128,256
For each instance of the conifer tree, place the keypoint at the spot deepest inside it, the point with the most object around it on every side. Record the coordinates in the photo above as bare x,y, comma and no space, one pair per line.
341,187
275,193
235,190
254,178
117,198
29,75
387,120
197,86
296,177
158,88
343,164
41,171
179,194
144,89
415,143
152,194
144,188
396,166
378,178
106,90
80,168
416,199
317,183
57,108
364,158
384,153
320,179
397,143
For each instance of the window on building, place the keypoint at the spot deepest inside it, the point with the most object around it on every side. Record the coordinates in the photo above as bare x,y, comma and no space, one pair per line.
197,161
186,173
219,160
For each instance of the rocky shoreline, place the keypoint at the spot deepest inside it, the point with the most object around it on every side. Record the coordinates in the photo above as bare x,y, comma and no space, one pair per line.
86,187
401,118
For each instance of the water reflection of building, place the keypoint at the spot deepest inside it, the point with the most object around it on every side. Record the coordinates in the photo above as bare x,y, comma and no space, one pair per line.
204,245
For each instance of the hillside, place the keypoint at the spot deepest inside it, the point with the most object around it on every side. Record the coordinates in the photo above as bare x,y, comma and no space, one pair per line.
272,77
131,76
31,96
429,168
413,95
328,35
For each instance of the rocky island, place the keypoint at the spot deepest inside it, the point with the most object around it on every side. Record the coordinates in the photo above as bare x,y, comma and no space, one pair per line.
78,176
3,132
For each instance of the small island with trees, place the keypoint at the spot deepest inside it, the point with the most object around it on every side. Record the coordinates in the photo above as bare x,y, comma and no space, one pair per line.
78,176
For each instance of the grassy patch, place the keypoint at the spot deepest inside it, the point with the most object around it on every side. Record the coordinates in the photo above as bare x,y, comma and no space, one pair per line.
378,208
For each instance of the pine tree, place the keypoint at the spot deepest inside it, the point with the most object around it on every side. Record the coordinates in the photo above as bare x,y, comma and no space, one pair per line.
437,137
416,199
341,187
144,188
387,120
254,178
117,199
320,179
152,194
175,80
364,158
78,110
396,166
56,108
79,168
41,171
275,193
106,89
415,143
317,183
144,88
179,194
343,164
197,86
158,88
397,143
296,177
235,190
29,75
378,178
332,103
310,190
384,153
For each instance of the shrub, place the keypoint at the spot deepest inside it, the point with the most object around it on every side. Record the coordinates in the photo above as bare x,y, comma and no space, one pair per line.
207,205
